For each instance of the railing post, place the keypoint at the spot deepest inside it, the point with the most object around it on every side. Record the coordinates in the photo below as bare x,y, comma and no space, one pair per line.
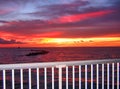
80,77
38,78
30,78
52,77
60,77
45,79
4,79
108,75
85,76
91,76
73,73
102,76
21,78
60,74
118,76
66,77
113,75
13,79
97,72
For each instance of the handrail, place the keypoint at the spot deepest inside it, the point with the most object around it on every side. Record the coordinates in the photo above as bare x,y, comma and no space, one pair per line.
55,64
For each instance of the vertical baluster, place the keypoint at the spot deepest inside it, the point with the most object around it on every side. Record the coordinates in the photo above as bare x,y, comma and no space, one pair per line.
52,77
80,77
73,73
66,77
13,79
38,78
45,75
4,79
91,76
85,76
102,76
108,76
118,75
97,76
29,78
60,77
113,75
21,78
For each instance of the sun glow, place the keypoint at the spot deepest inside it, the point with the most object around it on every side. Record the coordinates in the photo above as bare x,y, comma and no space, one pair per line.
80,41
62,40
65,42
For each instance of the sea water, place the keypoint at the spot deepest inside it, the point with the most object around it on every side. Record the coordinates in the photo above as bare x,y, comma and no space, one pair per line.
18,55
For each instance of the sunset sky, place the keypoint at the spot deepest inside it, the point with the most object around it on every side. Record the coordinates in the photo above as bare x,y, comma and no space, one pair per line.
59,23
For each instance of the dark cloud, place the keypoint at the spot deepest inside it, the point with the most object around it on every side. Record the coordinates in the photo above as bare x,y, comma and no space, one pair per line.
2,41
3,21
54,11
76,7
89,32
23,27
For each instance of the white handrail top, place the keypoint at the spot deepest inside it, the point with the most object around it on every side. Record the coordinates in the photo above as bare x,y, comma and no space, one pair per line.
55,64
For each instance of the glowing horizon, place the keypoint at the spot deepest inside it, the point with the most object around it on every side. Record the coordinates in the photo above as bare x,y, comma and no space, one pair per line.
68,42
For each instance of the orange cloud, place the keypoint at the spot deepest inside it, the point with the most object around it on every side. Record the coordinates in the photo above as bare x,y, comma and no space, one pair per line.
79,17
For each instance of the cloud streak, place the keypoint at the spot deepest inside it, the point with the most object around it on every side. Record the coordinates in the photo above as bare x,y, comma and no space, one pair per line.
3,41
80,17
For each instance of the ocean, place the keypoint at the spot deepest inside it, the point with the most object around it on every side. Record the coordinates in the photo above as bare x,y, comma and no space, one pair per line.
18,55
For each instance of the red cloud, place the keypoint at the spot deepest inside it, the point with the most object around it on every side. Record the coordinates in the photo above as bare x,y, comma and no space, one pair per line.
48,34
79,17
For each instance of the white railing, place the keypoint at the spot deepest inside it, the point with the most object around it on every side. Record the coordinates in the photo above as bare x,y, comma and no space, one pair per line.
92,74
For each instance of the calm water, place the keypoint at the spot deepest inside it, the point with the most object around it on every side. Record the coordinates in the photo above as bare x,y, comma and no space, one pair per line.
15,55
